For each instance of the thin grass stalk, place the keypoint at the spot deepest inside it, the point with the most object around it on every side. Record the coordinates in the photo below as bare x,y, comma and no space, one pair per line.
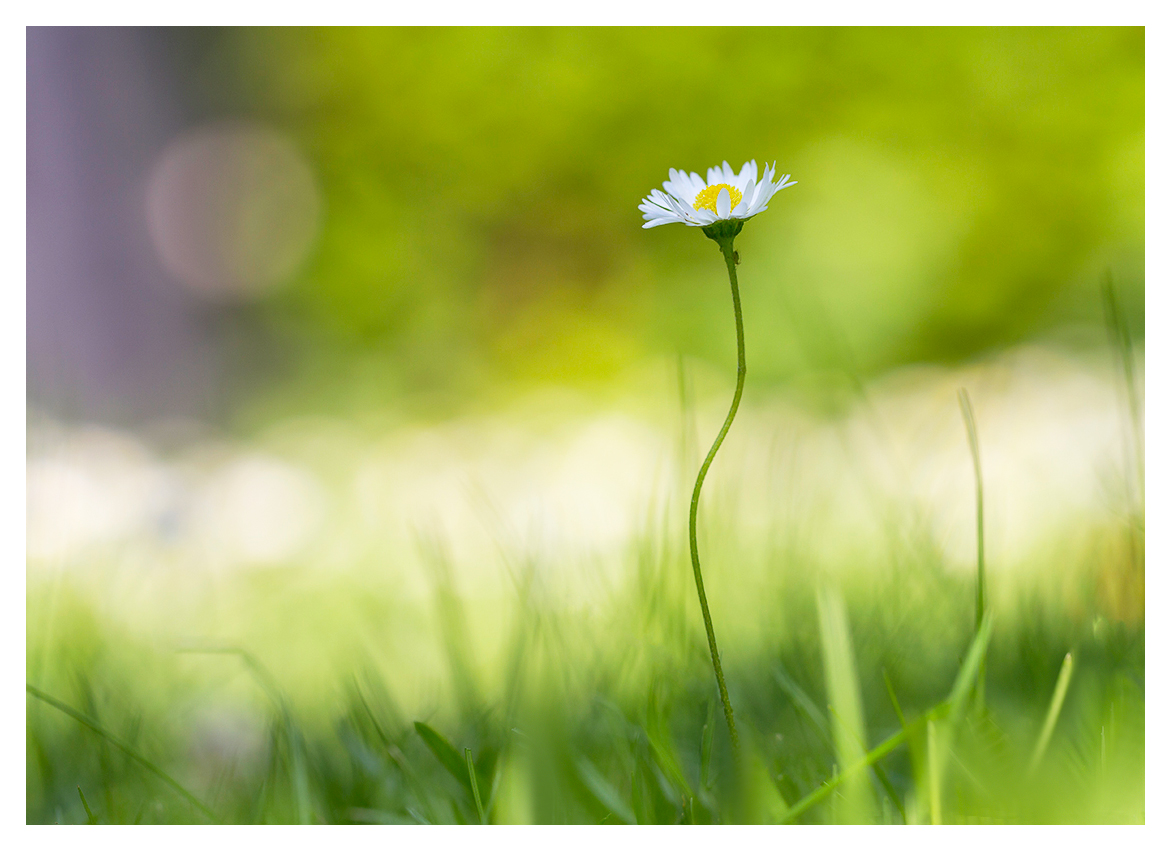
476,790
934,762
980,604
1133,437
1057,697
94,726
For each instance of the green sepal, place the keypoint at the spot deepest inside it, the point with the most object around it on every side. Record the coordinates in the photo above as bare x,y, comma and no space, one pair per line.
723,229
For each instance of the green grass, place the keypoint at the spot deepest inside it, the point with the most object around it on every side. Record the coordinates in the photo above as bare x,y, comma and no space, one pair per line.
853,692
881,687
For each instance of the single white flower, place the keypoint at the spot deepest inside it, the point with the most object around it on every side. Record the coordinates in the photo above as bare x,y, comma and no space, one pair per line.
689,198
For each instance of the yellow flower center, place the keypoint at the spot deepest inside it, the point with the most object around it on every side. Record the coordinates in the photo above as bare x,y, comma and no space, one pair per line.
708,197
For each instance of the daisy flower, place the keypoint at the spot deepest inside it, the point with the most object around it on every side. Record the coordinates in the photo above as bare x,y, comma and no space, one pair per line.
689,198
719,207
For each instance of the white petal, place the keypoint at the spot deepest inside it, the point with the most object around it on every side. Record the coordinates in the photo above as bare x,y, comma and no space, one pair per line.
685,212
684,190
727,175
724,203
705,216
715,175
698,184
661,198
748,177
754,194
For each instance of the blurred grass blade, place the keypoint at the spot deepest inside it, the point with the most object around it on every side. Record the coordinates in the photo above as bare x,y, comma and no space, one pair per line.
877,753
1122,339
843,694
472,778
980,606
260,673
662,749
603,791
382,735
707,746
805,703
122,745
892,696
1057,698
414,783
939,737
974,658
445,753
885,782
301,782
935,772
90,819
453,621
961,685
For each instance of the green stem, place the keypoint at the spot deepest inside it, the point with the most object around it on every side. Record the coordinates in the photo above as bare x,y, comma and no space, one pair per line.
726,245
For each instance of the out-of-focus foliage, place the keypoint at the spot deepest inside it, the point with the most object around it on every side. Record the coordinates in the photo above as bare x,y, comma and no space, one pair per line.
958,189
603,713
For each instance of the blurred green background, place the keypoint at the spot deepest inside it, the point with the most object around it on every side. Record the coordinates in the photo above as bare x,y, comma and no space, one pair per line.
314,256
959,190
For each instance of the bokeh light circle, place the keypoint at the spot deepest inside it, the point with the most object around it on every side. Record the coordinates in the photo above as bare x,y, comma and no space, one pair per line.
233,209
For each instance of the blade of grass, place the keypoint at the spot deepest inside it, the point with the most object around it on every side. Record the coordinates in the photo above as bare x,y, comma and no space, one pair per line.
90,819
974,659
892,696
472,778
804,702
1057,697
707,747
498,772
879,751
445,753
122,745
1133,434
662,751
414,783
843,692
948,708
980,611
881,776
935,750
1118,331
913,750
383,739
299,777
604,791
939,743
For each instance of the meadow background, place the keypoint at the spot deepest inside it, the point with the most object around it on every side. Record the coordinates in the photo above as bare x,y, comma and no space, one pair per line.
362,417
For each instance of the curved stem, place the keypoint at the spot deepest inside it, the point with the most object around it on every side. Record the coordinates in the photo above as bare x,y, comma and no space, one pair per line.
730,262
